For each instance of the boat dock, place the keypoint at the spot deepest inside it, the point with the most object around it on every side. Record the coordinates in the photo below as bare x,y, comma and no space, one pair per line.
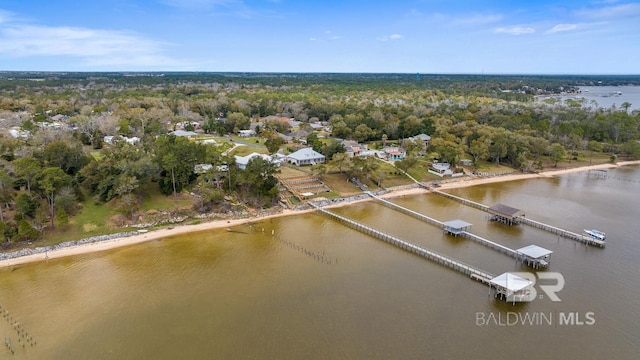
564,233
458,227
474,273
524,220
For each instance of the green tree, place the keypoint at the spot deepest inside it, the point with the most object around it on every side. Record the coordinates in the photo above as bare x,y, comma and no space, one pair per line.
26,232
6,191
273,142
593,146
362,133
26,205
50,181
407,163
70,158
557,153
27,168
341,160
62,218
479,149
177,157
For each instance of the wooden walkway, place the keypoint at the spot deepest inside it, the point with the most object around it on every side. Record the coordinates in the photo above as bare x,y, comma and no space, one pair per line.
474,273
404,210
526,221
479,239
562,232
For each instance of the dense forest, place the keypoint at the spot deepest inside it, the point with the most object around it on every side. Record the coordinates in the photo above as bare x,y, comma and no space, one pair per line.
55,149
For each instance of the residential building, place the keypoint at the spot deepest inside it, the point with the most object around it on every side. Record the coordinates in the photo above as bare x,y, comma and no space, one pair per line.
306,156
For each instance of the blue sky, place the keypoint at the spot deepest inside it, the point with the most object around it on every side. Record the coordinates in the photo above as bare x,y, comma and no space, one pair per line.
425,36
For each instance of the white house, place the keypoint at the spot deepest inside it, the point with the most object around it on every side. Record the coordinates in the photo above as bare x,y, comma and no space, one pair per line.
306,156
242,161
246,133
113,139
183,133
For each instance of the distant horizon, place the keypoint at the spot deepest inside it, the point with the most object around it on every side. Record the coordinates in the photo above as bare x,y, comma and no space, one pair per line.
546,37
309,73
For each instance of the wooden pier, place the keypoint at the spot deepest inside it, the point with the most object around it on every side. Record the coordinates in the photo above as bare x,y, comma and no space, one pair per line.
564,233
474,273
482,241
526,221
404,210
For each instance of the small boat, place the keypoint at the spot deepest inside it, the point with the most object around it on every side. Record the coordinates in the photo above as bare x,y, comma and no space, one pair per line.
596,234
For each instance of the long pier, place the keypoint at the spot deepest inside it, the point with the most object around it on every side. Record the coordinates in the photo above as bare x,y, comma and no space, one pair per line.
562,232
479,239
474,273
526,221
404,210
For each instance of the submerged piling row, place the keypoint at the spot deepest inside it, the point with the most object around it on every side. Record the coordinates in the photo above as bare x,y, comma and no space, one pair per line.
473,273
319,257
24,338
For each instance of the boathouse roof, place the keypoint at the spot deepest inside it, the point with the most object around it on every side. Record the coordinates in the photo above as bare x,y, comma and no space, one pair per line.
457,224
505,211
510,282
534,251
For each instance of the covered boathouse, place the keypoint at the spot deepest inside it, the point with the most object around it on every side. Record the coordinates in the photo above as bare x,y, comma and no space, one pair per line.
456,227
505,214
535,256
511,287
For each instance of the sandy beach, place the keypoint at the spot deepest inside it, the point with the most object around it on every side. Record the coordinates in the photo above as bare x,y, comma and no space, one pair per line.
181,229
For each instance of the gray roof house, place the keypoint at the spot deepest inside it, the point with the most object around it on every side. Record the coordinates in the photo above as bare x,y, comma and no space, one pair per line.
306,156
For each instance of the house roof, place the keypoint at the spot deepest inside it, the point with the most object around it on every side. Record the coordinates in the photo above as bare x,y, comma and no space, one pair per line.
183,133
306,154
423,137
534,251
441,166
244,160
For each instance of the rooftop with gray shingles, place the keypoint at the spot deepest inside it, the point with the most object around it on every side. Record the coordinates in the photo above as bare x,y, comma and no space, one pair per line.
505,211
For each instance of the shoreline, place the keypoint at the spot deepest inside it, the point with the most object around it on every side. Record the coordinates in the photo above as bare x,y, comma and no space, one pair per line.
218,224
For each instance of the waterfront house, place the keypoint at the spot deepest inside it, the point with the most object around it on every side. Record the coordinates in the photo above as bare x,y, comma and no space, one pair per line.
242,161
306,156
394,153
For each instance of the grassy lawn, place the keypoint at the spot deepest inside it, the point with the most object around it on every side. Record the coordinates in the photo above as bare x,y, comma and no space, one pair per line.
251,140
392,176
93,219
287,172
338,183
579,158
90,221
246,150
491,167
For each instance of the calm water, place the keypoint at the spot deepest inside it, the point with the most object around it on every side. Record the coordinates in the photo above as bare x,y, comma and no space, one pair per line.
604,96
251,295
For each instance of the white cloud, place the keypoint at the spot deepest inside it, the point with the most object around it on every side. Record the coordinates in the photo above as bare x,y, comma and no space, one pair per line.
611,12
4,16
561,28
391,37
335,37
92,47
515,30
